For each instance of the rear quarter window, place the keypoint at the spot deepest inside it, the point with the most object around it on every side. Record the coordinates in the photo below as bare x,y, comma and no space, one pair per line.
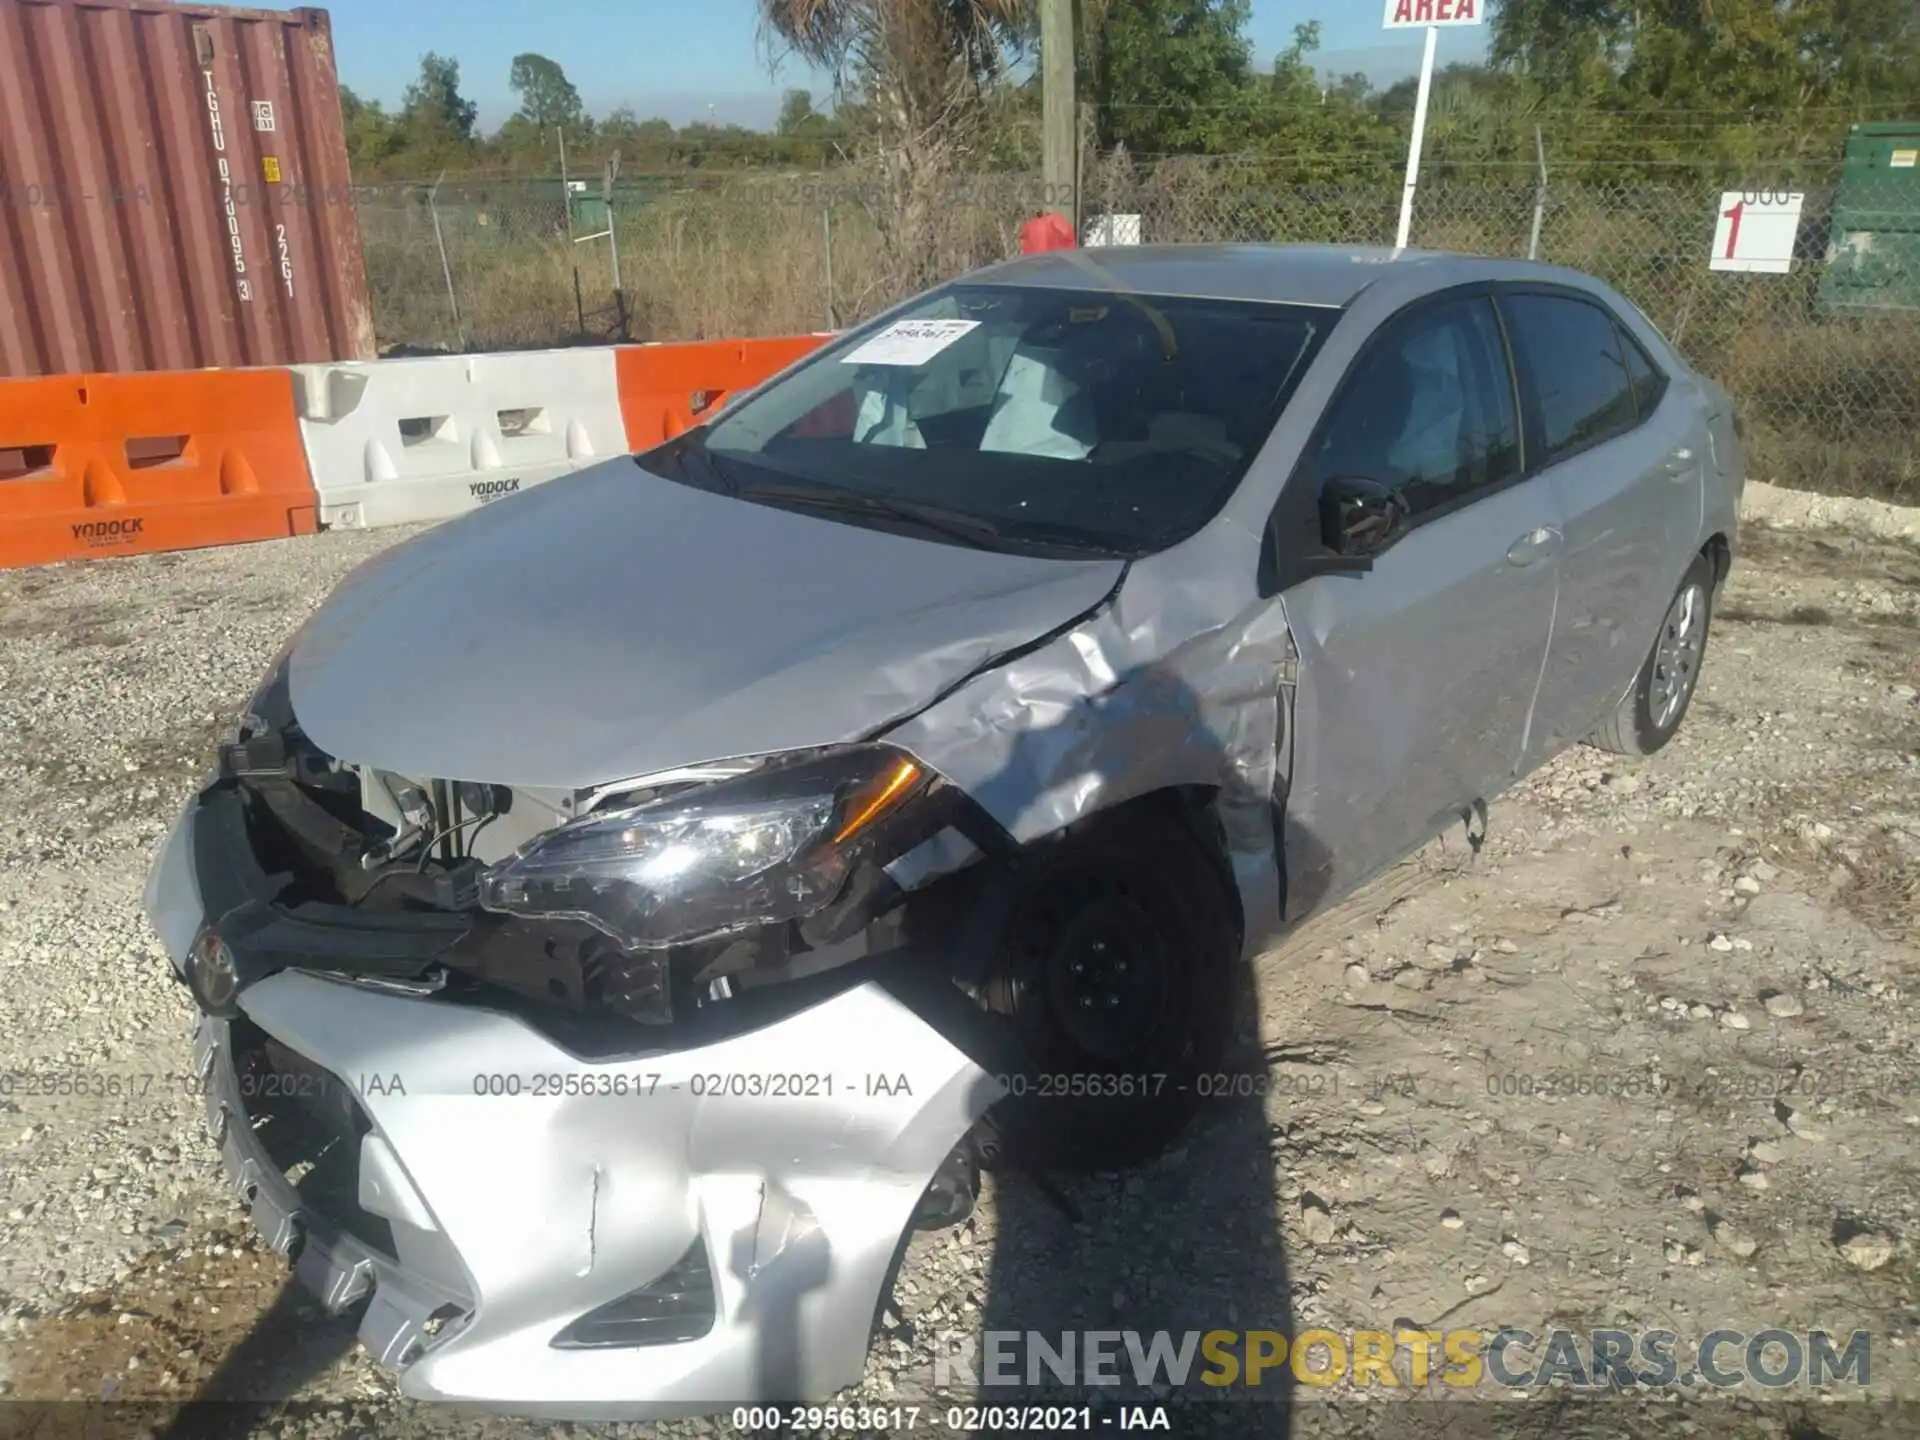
1647,380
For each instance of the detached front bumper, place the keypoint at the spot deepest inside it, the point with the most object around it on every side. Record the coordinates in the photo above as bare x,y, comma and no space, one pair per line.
501,1189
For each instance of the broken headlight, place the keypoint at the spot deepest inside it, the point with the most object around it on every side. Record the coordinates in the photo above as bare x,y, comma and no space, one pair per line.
776,845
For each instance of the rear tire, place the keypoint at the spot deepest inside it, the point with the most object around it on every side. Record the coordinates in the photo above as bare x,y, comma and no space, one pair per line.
1114,974
1663,690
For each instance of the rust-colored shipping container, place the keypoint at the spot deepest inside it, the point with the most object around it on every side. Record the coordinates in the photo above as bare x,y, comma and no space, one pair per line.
173,190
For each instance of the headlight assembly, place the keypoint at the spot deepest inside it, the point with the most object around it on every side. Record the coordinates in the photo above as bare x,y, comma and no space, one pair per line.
776,845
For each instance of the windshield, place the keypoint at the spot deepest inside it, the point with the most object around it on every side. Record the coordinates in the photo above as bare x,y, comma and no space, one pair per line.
1064,420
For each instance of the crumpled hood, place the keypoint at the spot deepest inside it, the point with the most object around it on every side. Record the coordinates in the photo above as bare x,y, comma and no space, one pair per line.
612,623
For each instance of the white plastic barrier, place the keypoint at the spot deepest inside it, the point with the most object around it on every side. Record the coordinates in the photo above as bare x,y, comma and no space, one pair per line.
398,441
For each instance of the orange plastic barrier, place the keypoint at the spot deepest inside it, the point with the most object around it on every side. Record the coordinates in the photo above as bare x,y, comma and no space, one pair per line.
96,465
664,389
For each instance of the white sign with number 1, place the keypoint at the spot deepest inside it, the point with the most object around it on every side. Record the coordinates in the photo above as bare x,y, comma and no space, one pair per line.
1756,230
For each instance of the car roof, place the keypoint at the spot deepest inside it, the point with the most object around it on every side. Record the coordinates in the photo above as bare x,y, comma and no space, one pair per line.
1326,275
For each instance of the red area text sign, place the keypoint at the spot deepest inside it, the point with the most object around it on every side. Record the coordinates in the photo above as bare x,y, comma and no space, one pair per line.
1415,14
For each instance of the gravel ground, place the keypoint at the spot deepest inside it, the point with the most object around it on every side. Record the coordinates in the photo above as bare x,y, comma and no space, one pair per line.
1720,941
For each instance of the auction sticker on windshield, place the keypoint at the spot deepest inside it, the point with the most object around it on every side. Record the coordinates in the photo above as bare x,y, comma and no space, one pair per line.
908,342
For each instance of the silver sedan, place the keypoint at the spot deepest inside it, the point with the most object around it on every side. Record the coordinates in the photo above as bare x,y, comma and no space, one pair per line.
623,912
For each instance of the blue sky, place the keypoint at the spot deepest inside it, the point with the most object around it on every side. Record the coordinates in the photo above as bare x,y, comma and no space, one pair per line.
678,57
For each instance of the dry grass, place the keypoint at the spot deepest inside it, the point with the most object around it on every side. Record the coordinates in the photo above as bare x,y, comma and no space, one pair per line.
1831,405
749,258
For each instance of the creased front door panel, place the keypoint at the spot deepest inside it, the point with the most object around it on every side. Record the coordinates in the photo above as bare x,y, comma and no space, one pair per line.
1416,679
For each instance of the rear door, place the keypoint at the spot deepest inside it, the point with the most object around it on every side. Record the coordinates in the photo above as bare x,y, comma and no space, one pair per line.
1621,444
1415,677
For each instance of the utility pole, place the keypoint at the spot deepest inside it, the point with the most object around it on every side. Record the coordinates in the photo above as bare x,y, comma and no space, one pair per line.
1059,144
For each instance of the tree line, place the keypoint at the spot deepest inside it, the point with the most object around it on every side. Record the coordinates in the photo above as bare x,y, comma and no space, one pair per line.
435,128
1633,85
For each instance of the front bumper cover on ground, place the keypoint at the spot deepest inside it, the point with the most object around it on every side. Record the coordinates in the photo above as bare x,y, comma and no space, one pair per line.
522,1187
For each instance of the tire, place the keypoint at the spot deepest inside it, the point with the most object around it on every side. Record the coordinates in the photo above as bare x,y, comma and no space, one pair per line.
1663,690
1113,971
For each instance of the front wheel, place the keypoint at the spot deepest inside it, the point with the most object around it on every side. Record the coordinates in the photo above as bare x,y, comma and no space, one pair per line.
1114,971
1652,711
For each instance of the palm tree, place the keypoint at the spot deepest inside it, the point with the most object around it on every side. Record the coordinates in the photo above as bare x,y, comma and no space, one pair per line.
918,69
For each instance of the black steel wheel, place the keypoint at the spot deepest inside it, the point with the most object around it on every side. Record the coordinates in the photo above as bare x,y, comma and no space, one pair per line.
1113,970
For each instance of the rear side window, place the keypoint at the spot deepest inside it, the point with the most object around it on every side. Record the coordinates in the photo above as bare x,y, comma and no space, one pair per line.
1570,354
1642,375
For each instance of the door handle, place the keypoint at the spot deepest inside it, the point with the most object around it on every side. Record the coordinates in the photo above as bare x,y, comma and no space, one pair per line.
1538,544
1680,465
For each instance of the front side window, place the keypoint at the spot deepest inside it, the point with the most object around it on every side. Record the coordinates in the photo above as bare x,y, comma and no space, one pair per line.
1428,411
1115,423
1571,352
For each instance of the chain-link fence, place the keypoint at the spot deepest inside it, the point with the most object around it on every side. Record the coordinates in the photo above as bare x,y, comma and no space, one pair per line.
746,255
1823,361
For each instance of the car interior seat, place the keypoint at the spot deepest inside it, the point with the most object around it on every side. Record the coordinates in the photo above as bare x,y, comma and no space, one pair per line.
1039,410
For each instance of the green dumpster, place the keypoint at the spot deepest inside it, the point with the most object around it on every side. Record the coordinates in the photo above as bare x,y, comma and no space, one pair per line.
589,206
592,209
1873,254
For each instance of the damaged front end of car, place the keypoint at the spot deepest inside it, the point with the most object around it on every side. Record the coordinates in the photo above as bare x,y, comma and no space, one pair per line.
645,901
611,1102
616,1097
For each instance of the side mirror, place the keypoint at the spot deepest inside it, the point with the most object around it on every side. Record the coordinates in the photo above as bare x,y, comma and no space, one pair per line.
1359,517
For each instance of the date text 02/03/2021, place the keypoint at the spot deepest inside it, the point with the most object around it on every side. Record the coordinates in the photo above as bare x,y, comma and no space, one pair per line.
956,1419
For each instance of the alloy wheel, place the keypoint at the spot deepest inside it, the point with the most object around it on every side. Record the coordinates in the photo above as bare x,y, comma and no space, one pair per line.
1676,655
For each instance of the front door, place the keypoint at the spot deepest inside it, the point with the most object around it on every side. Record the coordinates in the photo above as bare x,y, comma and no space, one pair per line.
1416,678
